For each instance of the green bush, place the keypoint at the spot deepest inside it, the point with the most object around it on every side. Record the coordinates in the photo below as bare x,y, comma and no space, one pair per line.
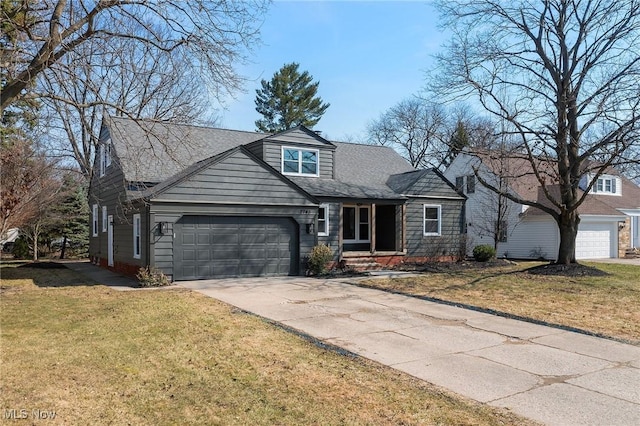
21,248
151,277
319,258
483,252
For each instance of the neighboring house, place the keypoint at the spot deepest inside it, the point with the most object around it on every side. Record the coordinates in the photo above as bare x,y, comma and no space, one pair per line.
199,202
8,238
609,216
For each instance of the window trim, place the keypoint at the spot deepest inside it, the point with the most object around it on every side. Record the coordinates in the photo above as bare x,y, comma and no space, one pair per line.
324,207
104,154
137,236
300,150
424,220
600,187
104,219
358,223
94,220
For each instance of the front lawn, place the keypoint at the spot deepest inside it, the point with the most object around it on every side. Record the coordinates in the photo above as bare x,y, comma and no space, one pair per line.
608,305
98,356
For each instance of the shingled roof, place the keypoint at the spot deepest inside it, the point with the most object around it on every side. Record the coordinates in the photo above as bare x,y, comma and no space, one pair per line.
361,171
152,151
422,182
522,179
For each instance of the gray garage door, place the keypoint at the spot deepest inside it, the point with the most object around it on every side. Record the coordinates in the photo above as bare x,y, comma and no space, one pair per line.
217,247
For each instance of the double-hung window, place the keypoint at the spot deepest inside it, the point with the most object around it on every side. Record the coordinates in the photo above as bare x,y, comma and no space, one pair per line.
94,220
323,220
432,220
302,162
606,185
355,223
137,241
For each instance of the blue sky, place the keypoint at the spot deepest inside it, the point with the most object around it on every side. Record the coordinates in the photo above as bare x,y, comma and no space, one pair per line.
367,56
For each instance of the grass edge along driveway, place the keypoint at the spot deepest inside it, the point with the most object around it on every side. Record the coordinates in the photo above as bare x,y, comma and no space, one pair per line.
93,355
608,305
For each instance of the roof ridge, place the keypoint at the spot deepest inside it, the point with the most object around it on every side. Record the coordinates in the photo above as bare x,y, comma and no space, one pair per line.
200,126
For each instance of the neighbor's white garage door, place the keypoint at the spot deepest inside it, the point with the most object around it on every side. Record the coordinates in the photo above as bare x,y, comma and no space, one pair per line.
594,240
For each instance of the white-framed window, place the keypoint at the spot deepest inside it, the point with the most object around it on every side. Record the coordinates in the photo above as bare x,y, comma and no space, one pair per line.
606,185
323,220
355,223
137,240
104,219
94,220
104,154
301,162
432,215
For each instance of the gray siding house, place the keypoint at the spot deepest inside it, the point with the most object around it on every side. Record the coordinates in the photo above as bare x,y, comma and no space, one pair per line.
198,202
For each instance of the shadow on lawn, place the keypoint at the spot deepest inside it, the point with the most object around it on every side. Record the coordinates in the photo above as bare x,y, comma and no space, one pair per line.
45,274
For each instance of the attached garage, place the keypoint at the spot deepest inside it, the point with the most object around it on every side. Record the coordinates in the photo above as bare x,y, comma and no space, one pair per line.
596,240
221,246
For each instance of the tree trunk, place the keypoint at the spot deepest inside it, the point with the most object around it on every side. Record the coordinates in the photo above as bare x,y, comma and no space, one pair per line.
35,246
568,226
64,247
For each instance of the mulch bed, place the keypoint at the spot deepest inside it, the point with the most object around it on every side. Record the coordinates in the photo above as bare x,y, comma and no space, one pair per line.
571,270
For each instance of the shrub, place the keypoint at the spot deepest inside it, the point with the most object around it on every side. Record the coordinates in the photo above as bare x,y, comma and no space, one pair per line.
152,277
21,248
319,258
483,252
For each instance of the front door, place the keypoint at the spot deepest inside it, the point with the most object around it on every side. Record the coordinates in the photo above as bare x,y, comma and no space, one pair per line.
110,240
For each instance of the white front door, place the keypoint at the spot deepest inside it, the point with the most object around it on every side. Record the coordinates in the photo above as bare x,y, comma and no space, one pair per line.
110,240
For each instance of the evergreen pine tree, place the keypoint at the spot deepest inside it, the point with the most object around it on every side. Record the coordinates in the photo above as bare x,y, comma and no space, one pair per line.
288,100
71,214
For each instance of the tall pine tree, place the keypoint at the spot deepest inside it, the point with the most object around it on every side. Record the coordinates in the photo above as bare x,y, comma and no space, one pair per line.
288,100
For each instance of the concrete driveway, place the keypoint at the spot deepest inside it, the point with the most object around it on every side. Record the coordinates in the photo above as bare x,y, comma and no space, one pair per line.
546,374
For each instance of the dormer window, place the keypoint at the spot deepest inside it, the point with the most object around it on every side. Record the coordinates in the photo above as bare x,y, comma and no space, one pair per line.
607,185
301,162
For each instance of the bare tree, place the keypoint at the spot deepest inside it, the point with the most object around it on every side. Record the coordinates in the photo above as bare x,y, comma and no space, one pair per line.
564,74
415,128
210,36
26,183
494,213
129,80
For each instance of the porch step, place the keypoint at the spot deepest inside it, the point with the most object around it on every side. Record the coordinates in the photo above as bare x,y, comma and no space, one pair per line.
632,253
361,264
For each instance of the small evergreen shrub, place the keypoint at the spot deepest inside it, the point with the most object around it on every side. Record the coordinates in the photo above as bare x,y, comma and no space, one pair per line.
21,248
483,253
152,277
319,258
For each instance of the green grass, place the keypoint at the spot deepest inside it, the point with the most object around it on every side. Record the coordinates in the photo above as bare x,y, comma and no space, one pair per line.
158,357
608,305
